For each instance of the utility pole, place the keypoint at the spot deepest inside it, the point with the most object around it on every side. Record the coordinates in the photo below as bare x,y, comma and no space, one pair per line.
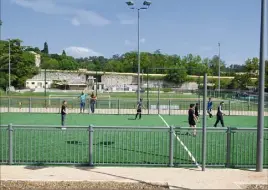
219,74
260,125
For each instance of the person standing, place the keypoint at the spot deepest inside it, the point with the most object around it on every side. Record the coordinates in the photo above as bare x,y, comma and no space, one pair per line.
139,107
83,98
63,114
209,108
220,115
192,118
93,100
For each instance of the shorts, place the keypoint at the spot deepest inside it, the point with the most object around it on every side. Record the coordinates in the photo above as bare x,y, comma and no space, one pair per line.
138,110
82,105
192,122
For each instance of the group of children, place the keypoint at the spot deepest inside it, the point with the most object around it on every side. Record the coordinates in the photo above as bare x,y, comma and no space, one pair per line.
193,114
83,98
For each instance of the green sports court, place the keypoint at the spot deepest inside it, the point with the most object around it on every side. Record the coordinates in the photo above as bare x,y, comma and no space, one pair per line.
121,140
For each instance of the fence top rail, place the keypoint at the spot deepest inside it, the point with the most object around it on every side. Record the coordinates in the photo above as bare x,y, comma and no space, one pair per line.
127,127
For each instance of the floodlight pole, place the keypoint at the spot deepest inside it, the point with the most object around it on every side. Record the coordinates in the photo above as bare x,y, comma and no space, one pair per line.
9,66
260,125
147,4
139,59
219,74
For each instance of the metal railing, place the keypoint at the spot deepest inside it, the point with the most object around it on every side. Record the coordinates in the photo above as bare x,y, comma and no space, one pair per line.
152,146
123,106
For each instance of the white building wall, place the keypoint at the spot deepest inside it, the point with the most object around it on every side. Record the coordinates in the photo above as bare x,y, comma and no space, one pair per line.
33,84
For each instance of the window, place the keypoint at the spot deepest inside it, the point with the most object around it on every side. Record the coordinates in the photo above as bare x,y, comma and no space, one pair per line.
33,82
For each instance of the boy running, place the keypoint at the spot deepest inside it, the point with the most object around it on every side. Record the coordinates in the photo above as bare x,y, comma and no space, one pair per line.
139,106
209,107
192,118
63,114
219,115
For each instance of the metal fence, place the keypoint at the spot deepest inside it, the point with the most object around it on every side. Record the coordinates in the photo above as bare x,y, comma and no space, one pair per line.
123,106
150,146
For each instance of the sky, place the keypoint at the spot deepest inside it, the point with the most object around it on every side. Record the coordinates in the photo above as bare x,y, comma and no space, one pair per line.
104,27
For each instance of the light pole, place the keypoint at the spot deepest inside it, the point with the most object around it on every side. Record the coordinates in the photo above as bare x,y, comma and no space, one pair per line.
219,74
9,67
146,5
260,125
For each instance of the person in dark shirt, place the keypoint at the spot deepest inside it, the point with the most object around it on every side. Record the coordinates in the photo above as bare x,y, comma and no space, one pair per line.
220,115
192,118
196,110
139,107
63,114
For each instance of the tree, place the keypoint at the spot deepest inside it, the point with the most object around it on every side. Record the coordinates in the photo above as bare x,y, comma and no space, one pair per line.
214,65
45,50
22,64
252,65
63,53
241,82
176,75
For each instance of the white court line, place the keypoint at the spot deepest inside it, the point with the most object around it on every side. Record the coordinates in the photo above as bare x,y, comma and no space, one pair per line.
182,144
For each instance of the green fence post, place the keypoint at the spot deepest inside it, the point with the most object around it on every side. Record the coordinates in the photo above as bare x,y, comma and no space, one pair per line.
88,108
148,106
171,145
169,105
249,103
228,147
10,144
229,107
8,109
118,107
30,104
90,146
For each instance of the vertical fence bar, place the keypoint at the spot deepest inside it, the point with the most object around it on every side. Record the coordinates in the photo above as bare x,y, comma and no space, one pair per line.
8,109
30,104
88,108
169,105
10,144
228,147
204,132
171,146
158,98
148,107
118,102
229,107
90,146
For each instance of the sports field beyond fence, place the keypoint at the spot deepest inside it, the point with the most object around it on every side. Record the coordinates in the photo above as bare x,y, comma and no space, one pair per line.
104,105
28,138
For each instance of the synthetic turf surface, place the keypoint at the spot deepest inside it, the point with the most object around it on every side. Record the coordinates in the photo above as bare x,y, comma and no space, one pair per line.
121,120
126,146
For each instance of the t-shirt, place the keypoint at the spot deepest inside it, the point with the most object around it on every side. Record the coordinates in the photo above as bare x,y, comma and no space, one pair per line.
139,105
219,111
63,109
209,105
83,98
93,100
191,115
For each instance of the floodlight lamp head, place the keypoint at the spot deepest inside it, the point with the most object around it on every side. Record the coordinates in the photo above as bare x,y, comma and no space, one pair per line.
130,3
147,3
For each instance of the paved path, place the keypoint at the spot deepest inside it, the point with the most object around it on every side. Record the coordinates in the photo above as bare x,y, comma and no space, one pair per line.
174,177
